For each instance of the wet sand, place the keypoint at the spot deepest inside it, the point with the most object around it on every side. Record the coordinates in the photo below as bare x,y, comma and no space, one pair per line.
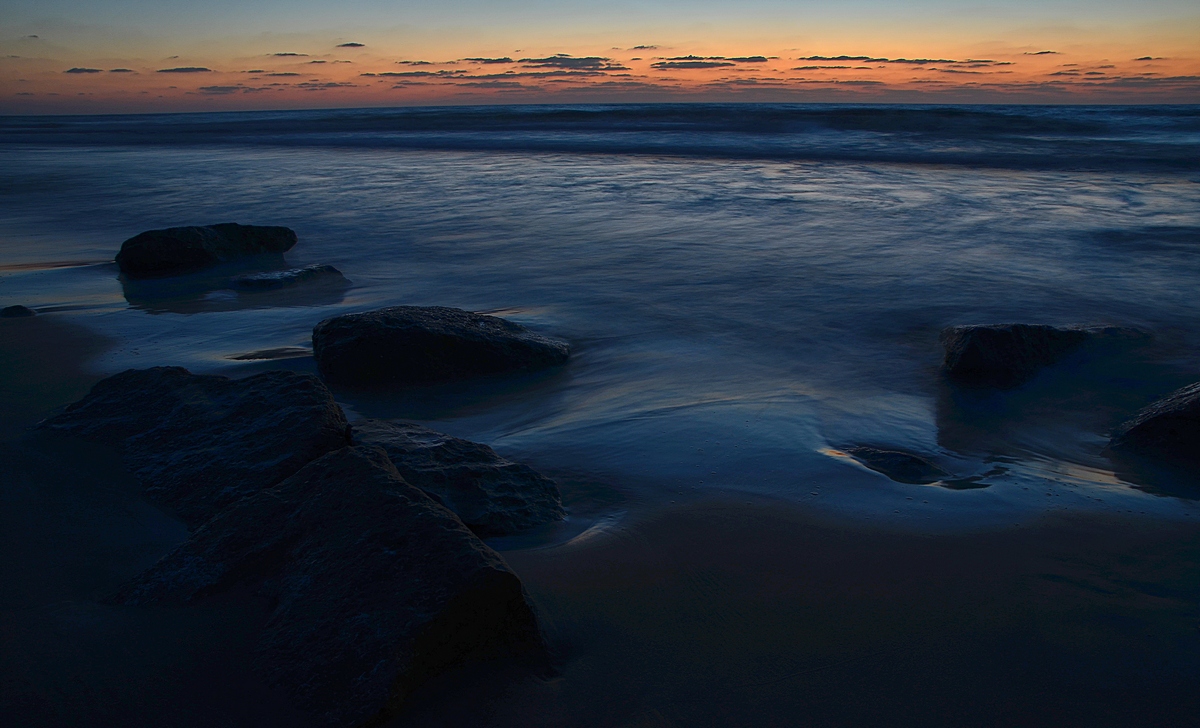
728,611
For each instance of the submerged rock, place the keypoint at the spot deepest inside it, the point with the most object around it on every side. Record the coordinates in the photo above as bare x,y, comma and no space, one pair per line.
1007,355
183,249
491,495
1168,429
413,344
198,443
901,467
16,312
376,587
283,278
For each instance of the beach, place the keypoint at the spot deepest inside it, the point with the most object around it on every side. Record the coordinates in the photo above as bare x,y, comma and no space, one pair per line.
748,293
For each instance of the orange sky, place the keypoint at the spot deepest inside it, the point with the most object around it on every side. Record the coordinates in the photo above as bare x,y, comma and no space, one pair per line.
68,71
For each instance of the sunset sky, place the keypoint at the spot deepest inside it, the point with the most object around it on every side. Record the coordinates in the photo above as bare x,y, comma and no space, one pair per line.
104,56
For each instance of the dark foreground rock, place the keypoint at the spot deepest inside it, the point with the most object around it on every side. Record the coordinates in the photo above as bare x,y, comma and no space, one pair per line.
491,495
900,466
413,344
184,249
377,588
1007,355
16,312
198,443
273,280
1168,429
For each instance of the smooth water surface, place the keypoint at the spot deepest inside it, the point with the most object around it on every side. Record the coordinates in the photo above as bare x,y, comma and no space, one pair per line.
747,288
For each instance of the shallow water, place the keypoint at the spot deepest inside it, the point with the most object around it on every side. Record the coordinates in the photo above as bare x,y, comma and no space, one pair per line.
746,288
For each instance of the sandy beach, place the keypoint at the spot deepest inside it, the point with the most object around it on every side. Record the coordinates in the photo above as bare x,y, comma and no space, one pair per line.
726,610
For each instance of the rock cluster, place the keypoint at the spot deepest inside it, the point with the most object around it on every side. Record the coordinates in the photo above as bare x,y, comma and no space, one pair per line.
199,443
283,278
1168,429
416,345
185,249
900,466
491,495
1008,355
17,311
376,585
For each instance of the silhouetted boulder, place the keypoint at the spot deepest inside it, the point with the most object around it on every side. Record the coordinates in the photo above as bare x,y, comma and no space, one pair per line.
376,587
900,466
491,495
1007,355
16,312
413,344
272,280
1167,430
184,249
198,443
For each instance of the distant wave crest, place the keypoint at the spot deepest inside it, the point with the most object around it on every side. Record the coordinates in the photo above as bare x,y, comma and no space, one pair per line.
1021,137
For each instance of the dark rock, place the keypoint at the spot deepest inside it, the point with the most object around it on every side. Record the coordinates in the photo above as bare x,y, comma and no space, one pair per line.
16,312
899,466
283,278
412,344
198,443
184,249
1007,355
376,587
1168,429
491,495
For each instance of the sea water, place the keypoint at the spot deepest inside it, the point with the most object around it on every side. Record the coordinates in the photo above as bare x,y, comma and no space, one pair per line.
747,288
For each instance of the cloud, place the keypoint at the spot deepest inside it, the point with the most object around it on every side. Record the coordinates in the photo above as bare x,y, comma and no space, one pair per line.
255,70
842,58
82,70
186,69
1148,58
644,48
494,84
749,59
814,68
540,74
323,85
410,74
351,45
220,90
283,74
1042,53
691,64
289,54
490,60
562,60
414,63
121,70
318,61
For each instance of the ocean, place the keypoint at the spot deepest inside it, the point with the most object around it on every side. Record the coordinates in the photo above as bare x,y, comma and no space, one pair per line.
748,290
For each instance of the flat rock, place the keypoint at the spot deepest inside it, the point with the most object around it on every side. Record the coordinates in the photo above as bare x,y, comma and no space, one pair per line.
273,280
491,495
1168,429
197,442
16,312
183,249
1007,355
900,466
376,587
413,345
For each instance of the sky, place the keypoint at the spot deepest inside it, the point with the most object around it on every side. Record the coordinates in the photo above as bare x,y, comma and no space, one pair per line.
129,56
